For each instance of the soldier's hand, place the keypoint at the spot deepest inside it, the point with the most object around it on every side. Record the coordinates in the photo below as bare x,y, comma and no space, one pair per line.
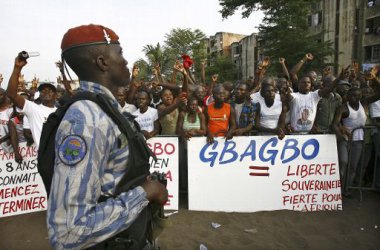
155,191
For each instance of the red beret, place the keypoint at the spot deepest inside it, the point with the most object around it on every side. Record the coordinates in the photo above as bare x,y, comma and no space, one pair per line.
88,35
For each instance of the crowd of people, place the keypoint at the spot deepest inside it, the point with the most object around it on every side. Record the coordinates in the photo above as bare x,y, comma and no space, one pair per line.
316,103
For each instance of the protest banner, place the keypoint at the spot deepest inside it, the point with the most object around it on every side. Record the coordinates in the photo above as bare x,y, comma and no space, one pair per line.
21,187
263,173
166,150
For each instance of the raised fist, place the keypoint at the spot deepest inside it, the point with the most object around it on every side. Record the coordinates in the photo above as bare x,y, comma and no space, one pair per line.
309,56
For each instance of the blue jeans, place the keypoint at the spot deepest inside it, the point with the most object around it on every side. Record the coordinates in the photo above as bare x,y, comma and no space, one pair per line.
349,153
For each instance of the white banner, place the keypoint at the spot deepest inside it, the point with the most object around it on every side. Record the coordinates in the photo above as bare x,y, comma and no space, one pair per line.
166,150
21,187
263,173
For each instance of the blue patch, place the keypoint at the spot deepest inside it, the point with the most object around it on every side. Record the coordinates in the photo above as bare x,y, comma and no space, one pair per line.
72,150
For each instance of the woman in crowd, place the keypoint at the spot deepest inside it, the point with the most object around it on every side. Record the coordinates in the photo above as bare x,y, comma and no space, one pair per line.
168,111
191,122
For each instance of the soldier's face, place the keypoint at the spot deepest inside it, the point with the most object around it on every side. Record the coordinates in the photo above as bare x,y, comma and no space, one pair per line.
118,69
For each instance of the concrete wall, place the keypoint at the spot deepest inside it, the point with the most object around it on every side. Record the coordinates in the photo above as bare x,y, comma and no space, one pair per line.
248,46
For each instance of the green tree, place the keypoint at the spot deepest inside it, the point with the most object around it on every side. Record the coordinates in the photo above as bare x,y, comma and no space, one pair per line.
284,31
161,55
186,41
145,69
223,66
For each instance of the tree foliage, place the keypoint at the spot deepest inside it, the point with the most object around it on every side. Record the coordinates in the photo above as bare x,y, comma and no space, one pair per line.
145,69
189,42
284,31
161,55
184,41
223,66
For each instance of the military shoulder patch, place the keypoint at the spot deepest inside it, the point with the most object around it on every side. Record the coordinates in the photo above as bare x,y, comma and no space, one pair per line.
72,150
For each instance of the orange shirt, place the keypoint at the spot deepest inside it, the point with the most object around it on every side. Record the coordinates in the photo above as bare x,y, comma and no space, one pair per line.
218,119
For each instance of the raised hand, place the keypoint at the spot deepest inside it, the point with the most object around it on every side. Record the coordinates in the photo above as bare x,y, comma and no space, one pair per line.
371,74
327,71
59,65
281,60
135,71
309,56
157,68
35,80
179,67
266,62
20,61
345,73
154,71
214,77
355,66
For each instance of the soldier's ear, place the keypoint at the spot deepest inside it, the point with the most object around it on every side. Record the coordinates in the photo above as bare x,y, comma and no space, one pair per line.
102,63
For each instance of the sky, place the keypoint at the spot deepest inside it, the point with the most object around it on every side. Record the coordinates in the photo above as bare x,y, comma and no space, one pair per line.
39,25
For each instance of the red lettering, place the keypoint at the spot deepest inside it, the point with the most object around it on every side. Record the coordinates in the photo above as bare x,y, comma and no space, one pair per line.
159,149
168,201
169,176
331,197
169,148
289,173
332,169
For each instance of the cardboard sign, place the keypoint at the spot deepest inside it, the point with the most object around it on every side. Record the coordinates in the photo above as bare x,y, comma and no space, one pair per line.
21,187
263,173
166,150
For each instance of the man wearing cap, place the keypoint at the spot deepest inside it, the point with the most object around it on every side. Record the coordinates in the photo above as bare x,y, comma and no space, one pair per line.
37,114
77,219
342,89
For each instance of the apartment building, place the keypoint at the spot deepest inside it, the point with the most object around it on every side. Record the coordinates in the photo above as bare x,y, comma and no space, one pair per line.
354,28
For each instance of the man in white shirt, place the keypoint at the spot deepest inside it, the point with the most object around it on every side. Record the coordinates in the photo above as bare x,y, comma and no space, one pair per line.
121,97
37,114
303,104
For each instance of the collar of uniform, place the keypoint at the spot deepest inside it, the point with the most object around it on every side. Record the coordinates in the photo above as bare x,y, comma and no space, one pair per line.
99,89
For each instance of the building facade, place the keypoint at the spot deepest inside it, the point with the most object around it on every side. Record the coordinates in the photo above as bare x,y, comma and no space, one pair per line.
220,43
240,48
354,28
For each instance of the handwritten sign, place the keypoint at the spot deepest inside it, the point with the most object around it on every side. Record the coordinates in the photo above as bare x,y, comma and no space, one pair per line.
21,187
263,173
166,150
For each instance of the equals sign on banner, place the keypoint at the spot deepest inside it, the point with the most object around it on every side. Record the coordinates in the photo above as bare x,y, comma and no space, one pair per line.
259,171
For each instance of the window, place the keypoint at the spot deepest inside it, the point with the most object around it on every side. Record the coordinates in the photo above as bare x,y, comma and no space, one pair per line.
315,19
372,53
376,52
369,26
372,26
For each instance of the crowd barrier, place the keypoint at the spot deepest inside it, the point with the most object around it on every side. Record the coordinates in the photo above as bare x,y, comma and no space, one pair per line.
370,153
